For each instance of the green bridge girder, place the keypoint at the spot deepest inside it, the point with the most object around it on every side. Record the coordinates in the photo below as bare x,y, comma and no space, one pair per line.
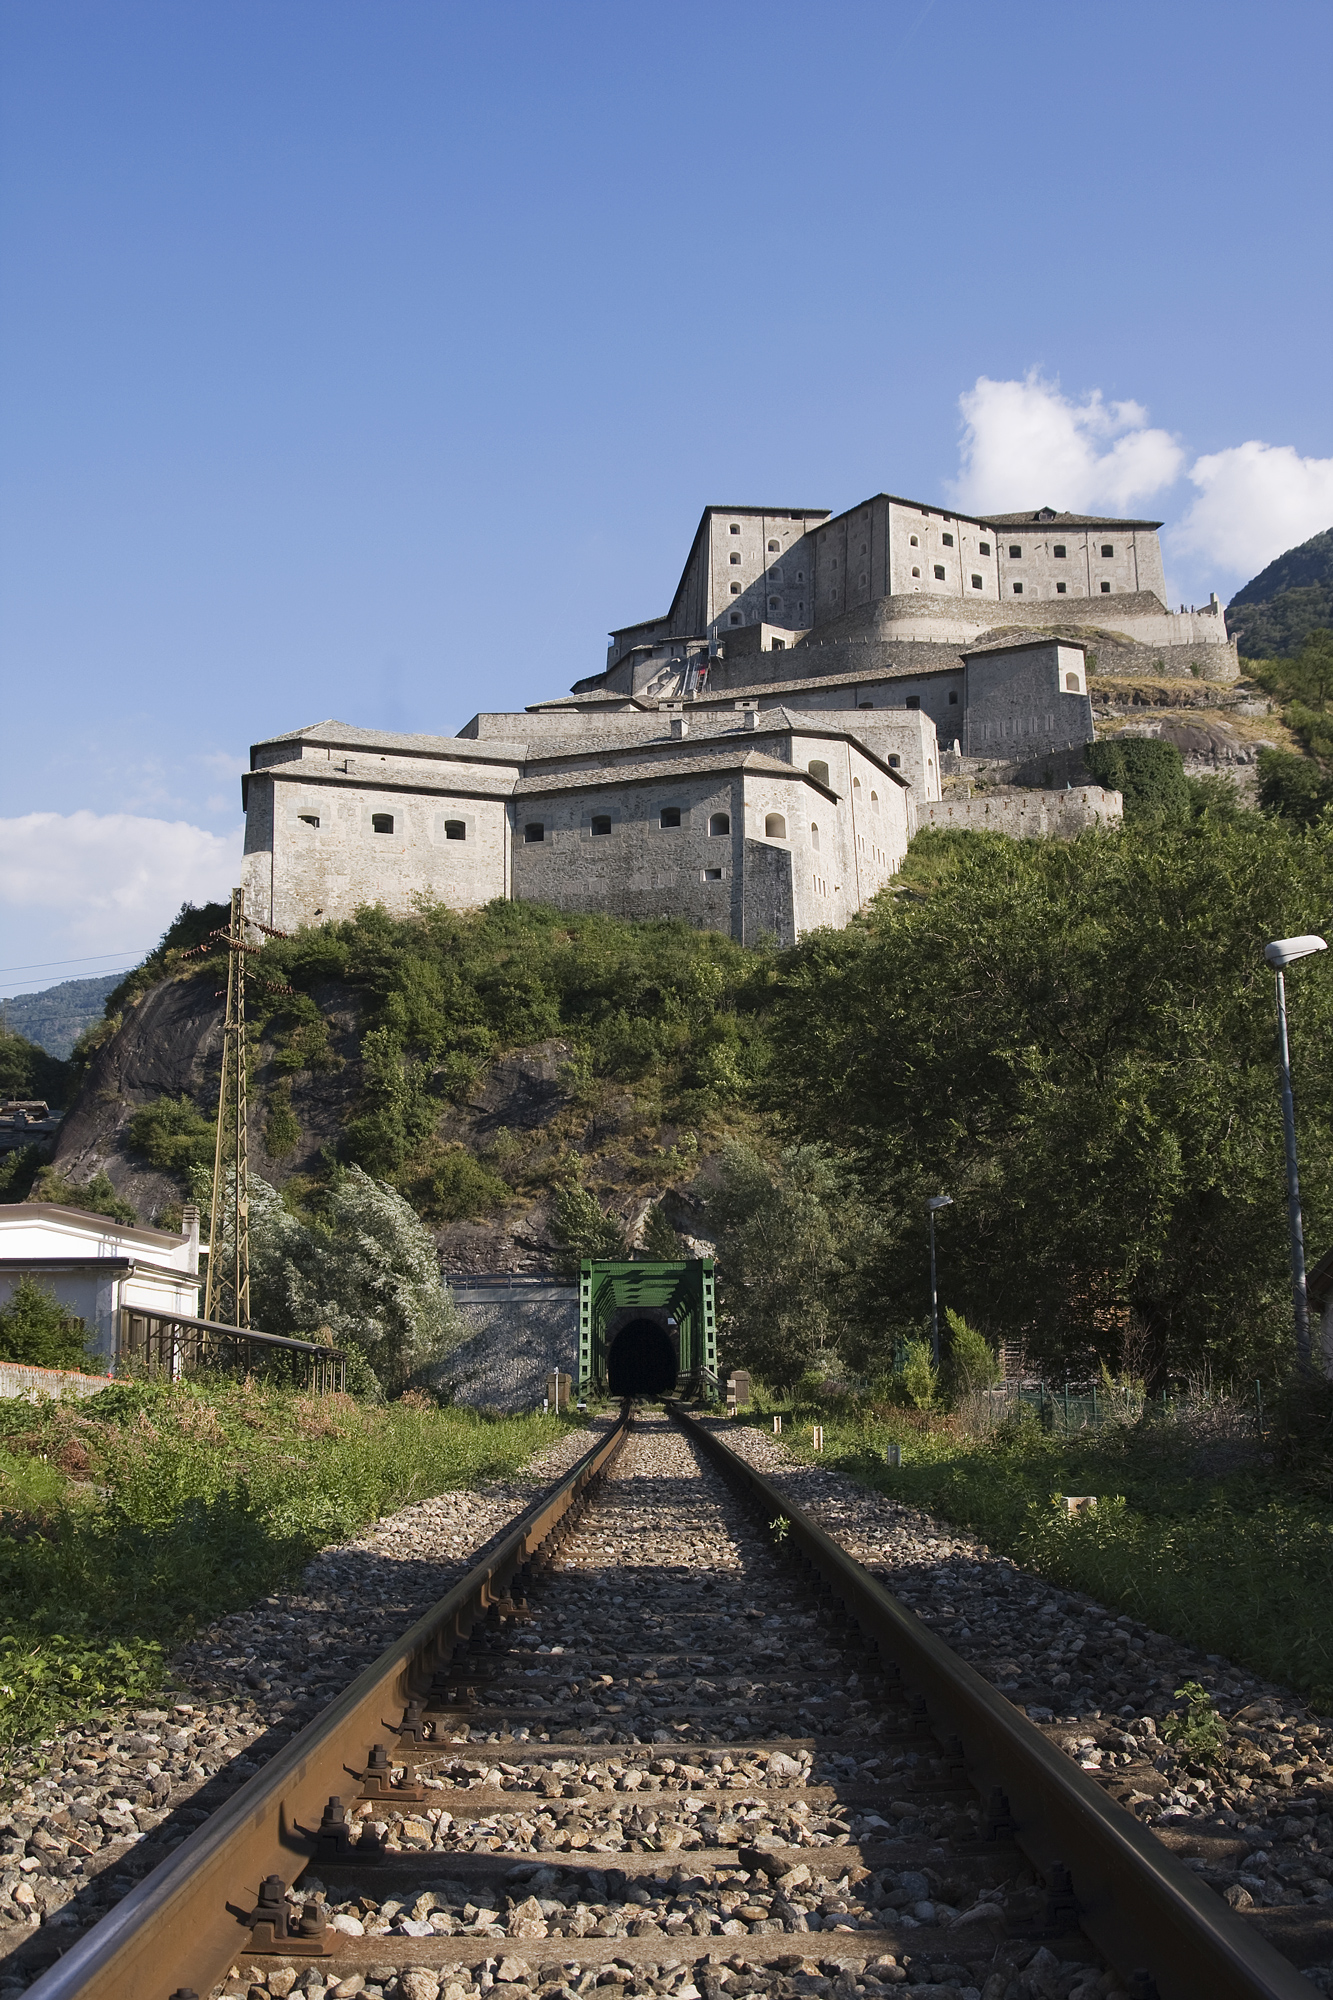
678,1295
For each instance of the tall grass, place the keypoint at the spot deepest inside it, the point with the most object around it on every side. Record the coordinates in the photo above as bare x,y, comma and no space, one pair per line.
128,1521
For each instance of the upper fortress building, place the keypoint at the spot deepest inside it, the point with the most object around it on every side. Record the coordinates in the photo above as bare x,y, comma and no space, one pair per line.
757,758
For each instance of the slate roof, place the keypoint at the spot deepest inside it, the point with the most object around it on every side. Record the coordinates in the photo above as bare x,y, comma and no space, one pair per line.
1048,517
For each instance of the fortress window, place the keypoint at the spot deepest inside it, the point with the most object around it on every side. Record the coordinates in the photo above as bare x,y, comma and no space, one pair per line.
308,819
976,582
865,704
719,823
1106,590
778,646
913,701
735,617
535,830
895,761
669,816
953,699
735,527
775,827
863,548
814,836
735,590
939,572
914,542
1058,550
947,541
1061,589
773,548
455,829
735,555
983,548
916,572
1018,590
601,823
775,604
818,769
712,874
874,802
1108,548
1071,683
856,784
1014,549
382,822
800,576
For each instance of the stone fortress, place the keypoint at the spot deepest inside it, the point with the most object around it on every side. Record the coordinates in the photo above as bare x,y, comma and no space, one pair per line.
756,759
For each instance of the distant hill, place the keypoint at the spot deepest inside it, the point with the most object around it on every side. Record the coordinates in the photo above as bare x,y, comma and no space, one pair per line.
56,1017
1276,611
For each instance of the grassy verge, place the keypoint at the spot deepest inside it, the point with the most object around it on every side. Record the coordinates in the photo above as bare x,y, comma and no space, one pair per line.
1221,1539
129,1520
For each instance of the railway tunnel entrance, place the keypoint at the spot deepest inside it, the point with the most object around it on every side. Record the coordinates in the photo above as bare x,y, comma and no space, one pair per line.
647,1329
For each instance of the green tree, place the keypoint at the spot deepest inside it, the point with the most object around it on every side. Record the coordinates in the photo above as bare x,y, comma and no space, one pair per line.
1294,788
660,1241
795,1240
27,1071
971,1364
37,1330
581,1226
172,1133
1076,1040
1149,775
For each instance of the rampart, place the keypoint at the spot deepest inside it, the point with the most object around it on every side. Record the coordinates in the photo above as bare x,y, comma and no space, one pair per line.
1026,815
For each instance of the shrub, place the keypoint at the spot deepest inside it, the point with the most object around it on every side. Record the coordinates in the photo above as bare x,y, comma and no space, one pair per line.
37,1330
919,1375
1293,788
282,1129
457,1187
581,1227
172,1133
971,1361
1148,774
94,1197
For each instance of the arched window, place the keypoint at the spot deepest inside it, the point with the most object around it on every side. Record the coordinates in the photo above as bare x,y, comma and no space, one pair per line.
874,802
775,827
1071,683
601,823
735,590
818,769
382,822
774,548
735,555
947,541
535,830
735,527
916,572
856,784
669,816
914,542
455,829
814,836
719,823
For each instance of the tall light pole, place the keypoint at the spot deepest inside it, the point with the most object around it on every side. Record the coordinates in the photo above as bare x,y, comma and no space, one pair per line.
1280,954
933,1206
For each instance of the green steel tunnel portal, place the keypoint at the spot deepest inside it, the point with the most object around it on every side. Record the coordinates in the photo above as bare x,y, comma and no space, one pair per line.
647,1329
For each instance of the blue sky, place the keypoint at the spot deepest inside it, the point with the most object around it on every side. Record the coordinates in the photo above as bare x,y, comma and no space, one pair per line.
371,360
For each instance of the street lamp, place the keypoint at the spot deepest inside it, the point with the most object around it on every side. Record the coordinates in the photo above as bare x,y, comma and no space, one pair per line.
934,1204
1280,954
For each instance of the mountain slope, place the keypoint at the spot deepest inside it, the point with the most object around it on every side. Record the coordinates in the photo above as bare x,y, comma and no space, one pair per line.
1272,615
58,1015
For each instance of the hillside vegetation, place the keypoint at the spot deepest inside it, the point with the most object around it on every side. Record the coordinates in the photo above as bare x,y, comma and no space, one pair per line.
1275,613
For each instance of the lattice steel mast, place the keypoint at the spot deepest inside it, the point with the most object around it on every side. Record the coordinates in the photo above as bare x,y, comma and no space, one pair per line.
231,1103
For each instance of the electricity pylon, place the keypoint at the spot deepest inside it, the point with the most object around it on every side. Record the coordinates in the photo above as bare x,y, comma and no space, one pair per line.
220,1296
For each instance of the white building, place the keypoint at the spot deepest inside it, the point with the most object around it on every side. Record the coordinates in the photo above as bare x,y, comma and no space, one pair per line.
99,1269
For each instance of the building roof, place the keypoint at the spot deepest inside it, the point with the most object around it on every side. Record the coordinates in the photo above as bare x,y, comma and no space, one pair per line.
342,736
716,726
437,776
672,767
83,1222
1049,517
1024,645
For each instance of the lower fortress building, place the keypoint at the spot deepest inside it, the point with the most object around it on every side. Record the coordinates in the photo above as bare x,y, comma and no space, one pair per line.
756,760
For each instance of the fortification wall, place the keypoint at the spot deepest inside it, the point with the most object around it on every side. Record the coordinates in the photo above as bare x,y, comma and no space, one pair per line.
1026,815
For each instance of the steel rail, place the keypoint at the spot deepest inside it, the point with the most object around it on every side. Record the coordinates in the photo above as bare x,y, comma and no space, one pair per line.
183,1925
1140,1906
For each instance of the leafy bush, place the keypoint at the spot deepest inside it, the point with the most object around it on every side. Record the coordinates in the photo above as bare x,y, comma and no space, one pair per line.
580,1226
172,1133
456,1187
94,1197
1293,788
282,1129
920,1377
1149,775
37,1330
971,1361
1199,1731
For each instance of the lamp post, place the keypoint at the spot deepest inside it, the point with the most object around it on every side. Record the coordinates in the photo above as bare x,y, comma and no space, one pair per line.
933,1205
1280,954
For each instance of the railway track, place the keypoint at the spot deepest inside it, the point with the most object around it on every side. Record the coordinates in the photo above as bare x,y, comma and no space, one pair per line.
668,1737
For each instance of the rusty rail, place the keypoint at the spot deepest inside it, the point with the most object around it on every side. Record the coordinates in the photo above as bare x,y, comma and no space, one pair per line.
184,1924
1144,1910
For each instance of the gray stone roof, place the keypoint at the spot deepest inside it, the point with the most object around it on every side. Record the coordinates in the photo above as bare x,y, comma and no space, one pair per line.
342,736
1048,517
436,776
667,768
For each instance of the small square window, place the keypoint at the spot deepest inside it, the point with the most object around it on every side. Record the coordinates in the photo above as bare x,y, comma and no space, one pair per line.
895,761
1058,550
455,829
983,548
669,816
1014,549
735,556
382,822
947,541
534,831
1018,590
953,699
735,527
913,701
735,617
1106,590
601,823
308,819
939,572
774,547
735,590
976,582
1061,589
1108,548
712,874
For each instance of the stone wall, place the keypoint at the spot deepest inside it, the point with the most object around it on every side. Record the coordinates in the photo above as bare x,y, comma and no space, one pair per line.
518,1336
1027,815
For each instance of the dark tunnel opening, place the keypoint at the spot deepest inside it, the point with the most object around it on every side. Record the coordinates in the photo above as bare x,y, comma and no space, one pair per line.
641,1361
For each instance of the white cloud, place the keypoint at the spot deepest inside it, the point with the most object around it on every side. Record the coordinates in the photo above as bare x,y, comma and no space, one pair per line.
1255,500
106,882
1026,444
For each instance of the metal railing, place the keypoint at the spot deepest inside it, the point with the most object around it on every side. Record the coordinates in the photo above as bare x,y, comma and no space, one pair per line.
176,1344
